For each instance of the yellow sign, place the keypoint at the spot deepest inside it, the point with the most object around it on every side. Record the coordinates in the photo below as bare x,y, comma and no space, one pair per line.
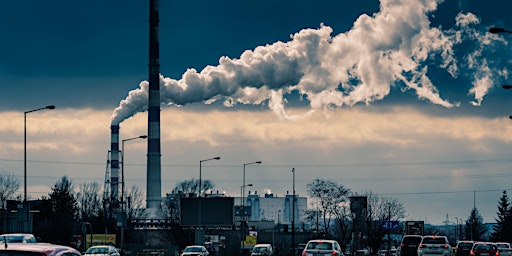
101,239
250,241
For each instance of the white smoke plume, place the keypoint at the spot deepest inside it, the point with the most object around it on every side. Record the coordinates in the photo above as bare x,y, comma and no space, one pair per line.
394,47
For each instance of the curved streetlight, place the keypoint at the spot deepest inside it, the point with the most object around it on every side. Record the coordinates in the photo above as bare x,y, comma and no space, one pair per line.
25,147
122,189
243,181
122,165
200,164
199,208
25,202
495,30
507,87
242,226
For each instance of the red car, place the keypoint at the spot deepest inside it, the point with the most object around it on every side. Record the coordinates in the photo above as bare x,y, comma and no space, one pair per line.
484,249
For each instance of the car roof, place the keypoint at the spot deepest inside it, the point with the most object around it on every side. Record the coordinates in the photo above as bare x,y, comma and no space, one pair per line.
323,240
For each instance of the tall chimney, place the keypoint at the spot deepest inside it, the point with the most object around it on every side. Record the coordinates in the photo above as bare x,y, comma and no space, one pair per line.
114,165
153,182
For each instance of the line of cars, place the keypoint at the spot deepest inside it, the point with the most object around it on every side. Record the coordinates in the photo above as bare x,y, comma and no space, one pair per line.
416,245
16,244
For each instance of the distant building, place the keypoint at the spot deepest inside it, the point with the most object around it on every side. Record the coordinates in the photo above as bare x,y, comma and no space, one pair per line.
276,209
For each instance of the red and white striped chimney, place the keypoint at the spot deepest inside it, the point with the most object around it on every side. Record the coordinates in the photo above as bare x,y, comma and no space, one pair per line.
153,182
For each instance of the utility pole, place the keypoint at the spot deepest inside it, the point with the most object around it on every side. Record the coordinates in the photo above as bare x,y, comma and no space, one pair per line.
389,229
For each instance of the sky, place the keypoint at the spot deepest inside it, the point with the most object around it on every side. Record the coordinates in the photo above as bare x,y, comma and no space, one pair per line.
402,98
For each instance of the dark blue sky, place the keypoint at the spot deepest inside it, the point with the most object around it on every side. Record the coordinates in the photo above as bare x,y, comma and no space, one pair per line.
92,53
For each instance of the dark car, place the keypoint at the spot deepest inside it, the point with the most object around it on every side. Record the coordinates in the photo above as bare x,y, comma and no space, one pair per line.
463,248
409,245
484,249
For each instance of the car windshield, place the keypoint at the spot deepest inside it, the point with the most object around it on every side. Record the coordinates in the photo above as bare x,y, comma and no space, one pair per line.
320,246
465,245
484,247
193,249
259,249
502,245
97,250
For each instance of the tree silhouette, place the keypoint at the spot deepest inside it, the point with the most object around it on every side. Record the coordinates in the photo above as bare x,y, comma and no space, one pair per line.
60,213
9,184
501,231
474,229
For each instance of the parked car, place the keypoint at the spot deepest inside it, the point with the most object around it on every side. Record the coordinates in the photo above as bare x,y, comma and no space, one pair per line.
409,245
99,250
504,248
262,249
463,248
484,249
18,238
195,250
319,247
39,249
434,245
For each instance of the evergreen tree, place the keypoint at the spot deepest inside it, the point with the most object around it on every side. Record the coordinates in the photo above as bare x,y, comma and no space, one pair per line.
501,231
475,229
62,213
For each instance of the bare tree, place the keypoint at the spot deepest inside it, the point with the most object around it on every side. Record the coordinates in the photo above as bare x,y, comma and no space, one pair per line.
135,206
380,209
192,186
331,197
89,200
9,184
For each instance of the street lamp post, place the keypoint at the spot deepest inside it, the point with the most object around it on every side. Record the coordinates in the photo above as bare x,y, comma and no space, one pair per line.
200,164
243,181
242,221
199,234
122,166
293,212
25,203
507,87
123,211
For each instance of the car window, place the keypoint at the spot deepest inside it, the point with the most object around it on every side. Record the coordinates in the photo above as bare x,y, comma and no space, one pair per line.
433,240
412,240
465,245
320,246
486,247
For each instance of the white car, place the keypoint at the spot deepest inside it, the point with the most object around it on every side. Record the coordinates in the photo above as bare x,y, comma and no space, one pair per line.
102,250
504,248
195,250
262,250
322,247
434,245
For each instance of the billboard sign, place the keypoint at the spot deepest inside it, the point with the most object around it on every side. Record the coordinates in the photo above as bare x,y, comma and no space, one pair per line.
207,211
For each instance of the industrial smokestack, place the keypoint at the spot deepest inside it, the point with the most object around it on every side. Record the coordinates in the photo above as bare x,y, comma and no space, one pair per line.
153,182
114,164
